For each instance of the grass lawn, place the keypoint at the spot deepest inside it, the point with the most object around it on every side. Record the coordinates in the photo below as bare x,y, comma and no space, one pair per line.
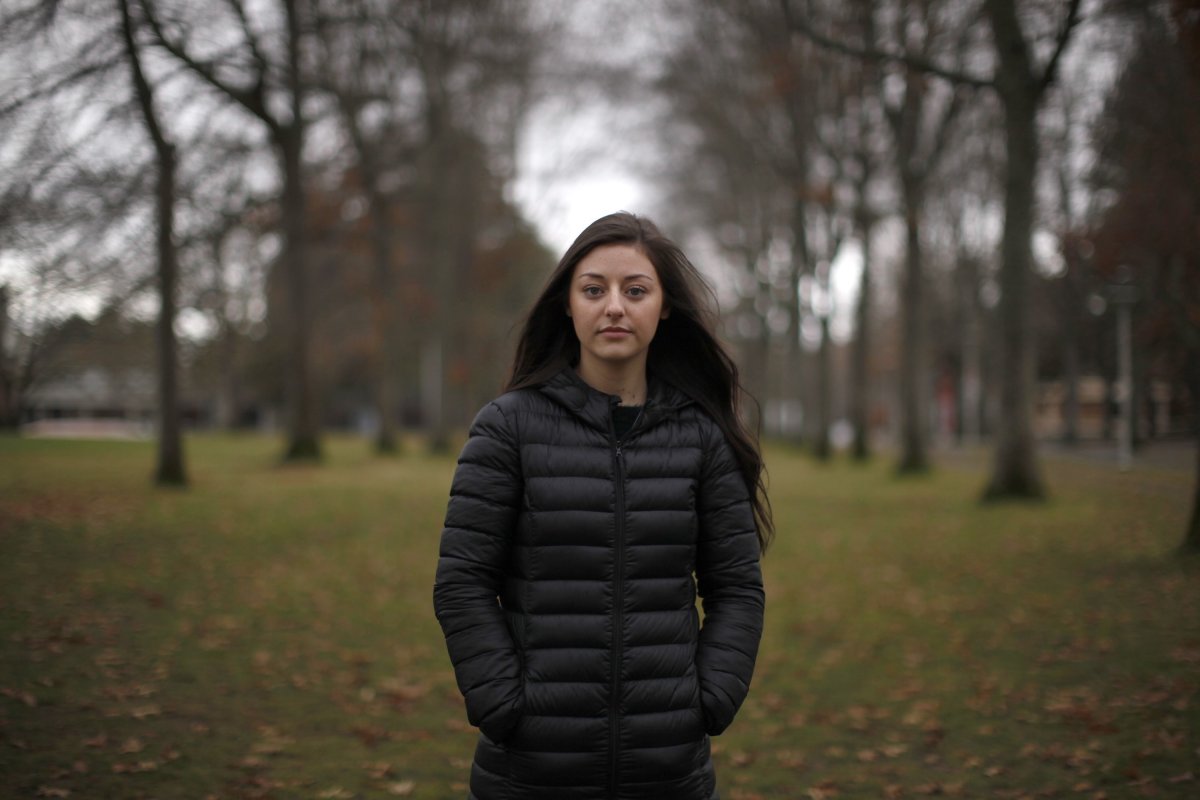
270,633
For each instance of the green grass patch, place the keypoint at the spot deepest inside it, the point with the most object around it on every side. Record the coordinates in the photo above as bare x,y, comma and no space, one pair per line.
269,632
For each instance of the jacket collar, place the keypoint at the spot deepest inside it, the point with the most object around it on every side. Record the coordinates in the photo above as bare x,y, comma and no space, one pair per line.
595,407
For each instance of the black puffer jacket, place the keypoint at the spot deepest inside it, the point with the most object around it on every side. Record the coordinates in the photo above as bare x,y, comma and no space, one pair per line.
592,676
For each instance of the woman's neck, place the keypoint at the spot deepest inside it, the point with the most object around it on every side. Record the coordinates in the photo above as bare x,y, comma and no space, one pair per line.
626,380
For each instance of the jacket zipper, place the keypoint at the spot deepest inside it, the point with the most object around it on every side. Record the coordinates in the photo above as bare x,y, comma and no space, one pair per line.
618,602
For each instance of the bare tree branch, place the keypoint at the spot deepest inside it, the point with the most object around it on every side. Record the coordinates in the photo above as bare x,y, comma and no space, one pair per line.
798,25
66,81
239,11
1060,44
252,99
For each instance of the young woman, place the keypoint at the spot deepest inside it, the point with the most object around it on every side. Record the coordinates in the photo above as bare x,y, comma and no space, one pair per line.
593,501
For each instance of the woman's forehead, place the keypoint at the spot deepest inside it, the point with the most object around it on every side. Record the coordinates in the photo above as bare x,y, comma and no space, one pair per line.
622,261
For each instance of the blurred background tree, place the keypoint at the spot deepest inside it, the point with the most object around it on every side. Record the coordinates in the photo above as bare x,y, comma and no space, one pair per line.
914,212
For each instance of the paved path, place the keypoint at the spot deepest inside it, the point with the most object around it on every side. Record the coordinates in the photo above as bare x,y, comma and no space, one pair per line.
1173,455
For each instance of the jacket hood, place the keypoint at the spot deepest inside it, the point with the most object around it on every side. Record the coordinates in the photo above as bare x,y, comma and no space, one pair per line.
595,407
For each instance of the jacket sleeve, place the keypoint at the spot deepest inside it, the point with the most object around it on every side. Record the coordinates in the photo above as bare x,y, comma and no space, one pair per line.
485,498
730,585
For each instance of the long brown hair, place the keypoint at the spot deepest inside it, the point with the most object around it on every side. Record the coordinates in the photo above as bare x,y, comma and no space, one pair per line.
685,350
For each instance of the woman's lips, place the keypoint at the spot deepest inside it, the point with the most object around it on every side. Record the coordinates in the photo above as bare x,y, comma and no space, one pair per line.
614,333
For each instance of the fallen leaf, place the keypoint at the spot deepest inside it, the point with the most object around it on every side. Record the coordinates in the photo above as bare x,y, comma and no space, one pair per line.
370,735
744,794
401,788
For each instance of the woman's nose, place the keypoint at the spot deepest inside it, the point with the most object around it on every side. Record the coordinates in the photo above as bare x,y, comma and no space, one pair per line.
615,307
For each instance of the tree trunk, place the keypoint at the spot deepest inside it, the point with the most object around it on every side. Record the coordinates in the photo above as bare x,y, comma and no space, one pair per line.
1014,471
759,361
1071,380
913,455
10,415
860,389
303,429
821,447
795,386
758,356
225,341
304,434
227,417
169,470
970,378
382,304
170,437
382,300
439,256
1069,310
1191,539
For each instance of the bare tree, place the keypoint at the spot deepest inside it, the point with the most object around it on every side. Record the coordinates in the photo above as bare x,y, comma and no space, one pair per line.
1021,84
72,210
170,469
1149,140
920,122
863,166
366,62
472,62
723,172
763,111
273,92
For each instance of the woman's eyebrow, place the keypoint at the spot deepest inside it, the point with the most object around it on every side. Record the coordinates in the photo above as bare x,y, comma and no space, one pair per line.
638,277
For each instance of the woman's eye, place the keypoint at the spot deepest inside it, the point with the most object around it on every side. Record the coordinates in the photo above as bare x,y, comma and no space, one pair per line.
636,291
593,291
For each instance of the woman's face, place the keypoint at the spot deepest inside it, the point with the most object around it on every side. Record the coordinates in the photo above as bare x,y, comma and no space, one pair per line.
615,302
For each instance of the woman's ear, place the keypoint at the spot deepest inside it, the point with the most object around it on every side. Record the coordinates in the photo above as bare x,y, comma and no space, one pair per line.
666,312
